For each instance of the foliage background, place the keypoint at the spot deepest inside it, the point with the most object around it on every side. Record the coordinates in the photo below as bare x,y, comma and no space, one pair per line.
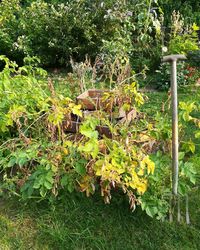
127,37
57,30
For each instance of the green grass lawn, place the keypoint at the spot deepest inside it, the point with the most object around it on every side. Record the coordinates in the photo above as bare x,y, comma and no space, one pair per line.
77,222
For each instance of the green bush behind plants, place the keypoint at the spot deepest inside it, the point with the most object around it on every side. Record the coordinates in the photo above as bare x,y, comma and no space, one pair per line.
181,41
57,30
10,12
188,9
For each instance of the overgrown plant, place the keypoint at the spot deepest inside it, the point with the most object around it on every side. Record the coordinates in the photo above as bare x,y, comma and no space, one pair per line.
157,200
39,159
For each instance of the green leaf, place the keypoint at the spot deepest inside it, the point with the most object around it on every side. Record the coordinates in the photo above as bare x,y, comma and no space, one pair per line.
193,179
64,180
143,205
182,188
22,161
88,127
192,147
43,191
70,187
91,147
48,185
88,147
30,190
67,181
186,116
88,132
181,155
27,190
76,110
36,184
80,168
24,187
197,134
49,177
189,146
151,211
12,162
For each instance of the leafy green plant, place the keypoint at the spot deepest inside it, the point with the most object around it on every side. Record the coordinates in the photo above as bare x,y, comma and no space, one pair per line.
9,23
40,160
54,31
37,157
156,201
182,44
194,58
163,75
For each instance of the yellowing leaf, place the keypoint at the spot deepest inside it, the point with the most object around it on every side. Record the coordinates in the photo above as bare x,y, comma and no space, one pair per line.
86,185
141,172
144,137
67,144
195,27
142,187
150,164
76,110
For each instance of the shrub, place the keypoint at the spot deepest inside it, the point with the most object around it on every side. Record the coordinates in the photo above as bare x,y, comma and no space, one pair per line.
194,58
56,30
163,76
9,28
182,44
40,160
181,41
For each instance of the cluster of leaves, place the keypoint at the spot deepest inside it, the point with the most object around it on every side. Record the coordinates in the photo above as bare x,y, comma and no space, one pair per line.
40,160
194,58
186,75
187,110
9,23
129,33
189,9
156,202
56,30
163,76
113,164
181,41
188,173
30,112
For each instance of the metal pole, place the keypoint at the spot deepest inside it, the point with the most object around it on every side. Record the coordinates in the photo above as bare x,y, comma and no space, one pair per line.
174,128
173,60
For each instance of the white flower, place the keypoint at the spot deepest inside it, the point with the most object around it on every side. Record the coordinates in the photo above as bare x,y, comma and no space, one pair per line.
129,13
164,49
